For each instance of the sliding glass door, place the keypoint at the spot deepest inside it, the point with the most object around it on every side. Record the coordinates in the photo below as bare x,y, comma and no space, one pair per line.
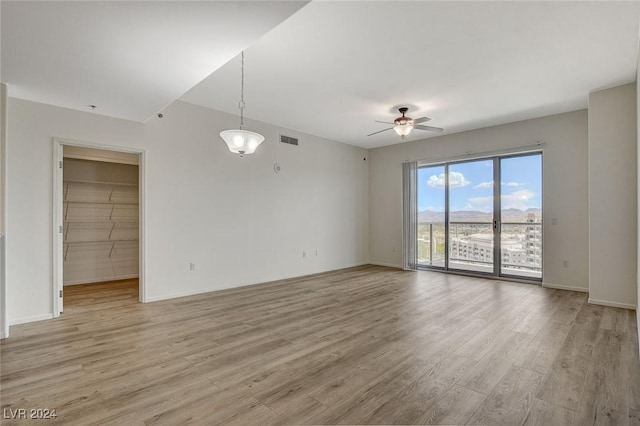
467,223
521,216
431,216
470,211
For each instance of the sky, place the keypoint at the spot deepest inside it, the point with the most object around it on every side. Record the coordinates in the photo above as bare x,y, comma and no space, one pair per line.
471,185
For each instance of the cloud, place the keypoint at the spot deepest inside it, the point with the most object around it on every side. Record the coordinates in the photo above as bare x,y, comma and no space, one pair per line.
479,202
487,185
456,180
518,199
484,185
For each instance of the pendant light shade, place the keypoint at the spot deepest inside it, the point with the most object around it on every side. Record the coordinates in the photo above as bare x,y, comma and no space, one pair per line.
240,141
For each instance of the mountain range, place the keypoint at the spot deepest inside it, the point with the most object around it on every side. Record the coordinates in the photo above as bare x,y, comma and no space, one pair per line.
508,215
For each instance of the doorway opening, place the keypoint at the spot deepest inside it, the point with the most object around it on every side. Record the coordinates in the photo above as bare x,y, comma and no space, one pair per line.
98,207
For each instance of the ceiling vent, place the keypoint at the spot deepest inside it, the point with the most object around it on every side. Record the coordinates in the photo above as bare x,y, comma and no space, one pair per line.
288,140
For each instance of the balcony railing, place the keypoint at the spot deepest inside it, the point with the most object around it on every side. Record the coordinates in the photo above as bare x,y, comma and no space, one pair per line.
471,246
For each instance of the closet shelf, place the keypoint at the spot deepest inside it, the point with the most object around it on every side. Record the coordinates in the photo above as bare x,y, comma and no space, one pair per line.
98,213
100,183
99,241
106,203
97,221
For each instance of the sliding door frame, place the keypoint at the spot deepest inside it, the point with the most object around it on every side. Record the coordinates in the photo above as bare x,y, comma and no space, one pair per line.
497,215
518,277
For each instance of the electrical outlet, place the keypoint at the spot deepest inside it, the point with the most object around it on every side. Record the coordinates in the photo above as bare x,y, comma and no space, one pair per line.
554,220
304,254
192,266
565,263
393,249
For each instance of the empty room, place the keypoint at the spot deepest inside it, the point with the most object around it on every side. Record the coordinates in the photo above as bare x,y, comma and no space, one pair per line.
319,212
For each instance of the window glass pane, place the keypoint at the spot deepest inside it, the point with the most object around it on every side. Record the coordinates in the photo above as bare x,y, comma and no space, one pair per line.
521,216
471,237
431,216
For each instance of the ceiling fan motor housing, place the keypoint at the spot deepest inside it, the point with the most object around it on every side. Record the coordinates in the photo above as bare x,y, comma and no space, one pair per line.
403,121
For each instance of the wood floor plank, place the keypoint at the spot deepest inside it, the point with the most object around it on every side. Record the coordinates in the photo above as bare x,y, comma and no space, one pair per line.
409,405
605,397
366,345
355,408
566,377
510,401
455,407
486,374
547,414
634,370
615,319
543,349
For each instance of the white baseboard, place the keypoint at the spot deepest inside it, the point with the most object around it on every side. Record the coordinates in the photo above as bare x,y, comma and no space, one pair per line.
565,287
612,304
183,294
31,319
202,291
388,265
354,265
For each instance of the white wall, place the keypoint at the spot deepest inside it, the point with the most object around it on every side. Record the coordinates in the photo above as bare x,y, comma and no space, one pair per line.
613,196
239,221
638,198
4,323
564,187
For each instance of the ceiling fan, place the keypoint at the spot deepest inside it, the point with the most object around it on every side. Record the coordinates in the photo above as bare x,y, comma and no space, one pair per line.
404,125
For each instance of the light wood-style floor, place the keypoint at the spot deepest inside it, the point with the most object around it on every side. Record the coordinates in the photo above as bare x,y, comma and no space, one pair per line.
368,345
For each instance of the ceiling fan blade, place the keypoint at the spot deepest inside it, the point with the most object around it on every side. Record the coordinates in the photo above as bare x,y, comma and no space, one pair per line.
421,120
429,128
380,131
385,122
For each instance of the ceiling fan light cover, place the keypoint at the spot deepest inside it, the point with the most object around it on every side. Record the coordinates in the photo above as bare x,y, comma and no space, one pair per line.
241,141
403,129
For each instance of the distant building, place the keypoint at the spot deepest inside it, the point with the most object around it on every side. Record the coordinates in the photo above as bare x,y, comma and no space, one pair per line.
519,250
476,247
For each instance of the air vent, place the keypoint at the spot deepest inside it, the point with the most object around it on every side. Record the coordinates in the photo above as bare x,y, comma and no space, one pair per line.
289,140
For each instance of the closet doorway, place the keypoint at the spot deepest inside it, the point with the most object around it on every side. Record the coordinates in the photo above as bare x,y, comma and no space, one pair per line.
98,223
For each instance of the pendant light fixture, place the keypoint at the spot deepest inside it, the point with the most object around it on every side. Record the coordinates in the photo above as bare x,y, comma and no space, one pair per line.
241,141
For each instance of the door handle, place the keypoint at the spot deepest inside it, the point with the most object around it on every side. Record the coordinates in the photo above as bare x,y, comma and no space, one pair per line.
495,225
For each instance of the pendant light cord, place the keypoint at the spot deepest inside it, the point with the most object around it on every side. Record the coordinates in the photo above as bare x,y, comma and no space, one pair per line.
241,104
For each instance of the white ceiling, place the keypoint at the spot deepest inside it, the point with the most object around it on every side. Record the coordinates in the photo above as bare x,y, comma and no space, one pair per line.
330,69
129,58
334,67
